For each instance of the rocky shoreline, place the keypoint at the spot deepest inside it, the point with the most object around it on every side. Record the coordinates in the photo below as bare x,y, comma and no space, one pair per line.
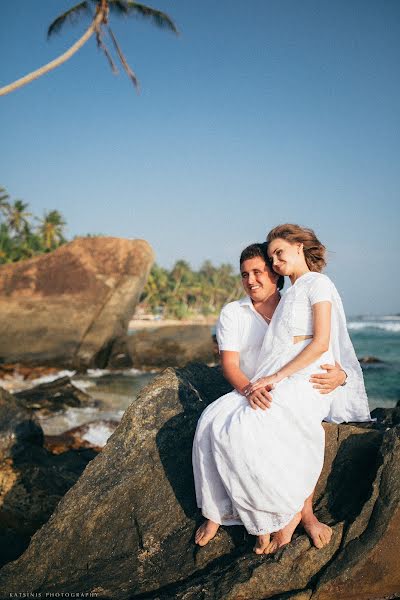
120,522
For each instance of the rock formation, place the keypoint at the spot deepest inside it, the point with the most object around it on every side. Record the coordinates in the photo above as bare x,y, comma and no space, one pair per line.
32,480
125,529
68,307
167,346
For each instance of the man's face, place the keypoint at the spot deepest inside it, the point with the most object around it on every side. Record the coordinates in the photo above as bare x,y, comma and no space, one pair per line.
258,281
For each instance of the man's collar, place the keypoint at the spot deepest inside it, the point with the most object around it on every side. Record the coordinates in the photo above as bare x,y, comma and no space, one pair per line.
245,301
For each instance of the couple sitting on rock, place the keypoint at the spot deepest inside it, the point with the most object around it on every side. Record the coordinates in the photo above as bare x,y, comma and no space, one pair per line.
259,450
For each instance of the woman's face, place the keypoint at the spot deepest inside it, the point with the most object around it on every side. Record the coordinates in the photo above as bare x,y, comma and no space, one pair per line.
286,258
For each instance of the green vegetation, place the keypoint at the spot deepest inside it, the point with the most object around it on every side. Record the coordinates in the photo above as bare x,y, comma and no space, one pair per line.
19,238
179,293
182,293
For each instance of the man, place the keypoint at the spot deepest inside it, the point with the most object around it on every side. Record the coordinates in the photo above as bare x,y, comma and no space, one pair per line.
241,328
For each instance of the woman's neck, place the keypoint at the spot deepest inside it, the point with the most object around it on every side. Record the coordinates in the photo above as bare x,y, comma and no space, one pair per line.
294,276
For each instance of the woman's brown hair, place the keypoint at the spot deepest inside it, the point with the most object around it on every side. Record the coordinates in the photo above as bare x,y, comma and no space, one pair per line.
314,251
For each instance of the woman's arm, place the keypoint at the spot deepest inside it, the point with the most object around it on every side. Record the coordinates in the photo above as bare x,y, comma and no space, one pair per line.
316,348
230,362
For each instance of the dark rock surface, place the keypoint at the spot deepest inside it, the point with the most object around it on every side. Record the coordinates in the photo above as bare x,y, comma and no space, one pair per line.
125,530
370,360
387,416
68,307
53,396
32,480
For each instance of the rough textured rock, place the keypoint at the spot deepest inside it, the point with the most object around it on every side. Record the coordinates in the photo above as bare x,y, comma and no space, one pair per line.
125,530
32,481
368,564
68,307
171,346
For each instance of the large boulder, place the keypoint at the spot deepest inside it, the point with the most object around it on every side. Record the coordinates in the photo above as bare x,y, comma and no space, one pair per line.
32,480
126,528
68,307
170,346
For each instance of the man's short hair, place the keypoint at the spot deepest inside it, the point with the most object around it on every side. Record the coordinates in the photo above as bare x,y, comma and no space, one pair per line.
260,249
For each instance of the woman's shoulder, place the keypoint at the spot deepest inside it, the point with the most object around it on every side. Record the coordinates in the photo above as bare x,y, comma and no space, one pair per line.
314,277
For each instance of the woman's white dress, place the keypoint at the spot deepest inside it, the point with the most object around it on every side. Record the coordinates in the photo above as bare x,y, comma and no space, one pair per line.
257,467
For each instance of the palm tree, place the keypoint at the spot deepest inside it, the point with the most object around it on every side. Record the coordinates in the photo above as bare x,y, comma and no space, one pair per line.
4,204
18,217
99,23
51,229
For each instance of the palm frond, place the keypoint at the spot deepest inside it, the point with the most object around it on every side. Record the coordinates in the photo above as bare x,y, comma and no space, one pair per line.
70,15
118,6
102,46
124,62
158,17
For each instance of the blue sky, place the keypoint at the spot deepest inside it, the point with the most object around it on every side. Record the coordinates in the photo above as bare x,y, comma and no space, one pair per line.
259,113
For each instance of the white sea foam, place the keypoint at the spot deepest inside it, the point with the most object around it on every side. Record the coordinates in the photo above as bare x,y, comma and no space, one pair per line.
98,434
55,424
97,372
393,327
83,384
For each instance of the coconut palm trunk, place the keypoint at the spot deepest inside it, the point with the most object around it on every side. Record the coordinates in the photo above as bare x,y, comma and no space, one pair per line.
99,18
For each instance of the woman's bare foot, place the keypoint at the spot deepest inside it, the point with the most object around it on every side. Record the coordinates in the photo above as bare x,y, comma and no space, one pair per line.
206,532
319,532
283,536
262,543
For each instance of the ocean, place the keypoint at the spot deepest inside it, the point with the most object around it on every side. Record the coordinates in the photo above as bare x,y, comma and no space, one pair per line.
378,337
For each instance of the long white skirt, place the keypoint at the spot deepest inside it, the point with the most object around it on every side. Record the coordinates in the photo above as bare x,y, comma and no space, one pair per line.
257,467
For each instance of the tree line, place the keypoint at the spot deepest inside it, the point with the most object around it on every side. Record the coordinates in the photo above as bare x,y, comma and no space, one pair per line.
183,293
22,235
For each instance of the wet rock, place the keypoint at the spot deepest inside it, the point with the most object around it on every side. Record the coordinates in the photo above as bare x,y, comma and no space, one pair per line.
370,360
32,480
68,307
54,395
387,417
131,516
171,346
90,435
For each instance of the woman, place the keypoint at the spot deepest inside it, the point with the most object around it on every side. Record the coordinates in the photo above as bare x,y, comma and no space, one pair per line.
255,467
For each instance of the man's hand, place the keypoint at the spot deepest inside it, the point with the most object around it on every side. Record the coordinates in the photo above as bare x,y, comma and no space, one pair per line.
329,381
261,398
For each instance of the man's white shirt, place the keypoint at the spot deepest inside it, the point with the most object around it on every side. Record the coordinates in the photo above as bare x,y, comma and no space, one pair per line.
240,328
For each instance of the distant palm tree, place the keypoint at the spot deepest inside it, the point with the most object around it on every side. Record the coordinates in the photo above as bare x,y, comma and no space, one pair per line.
4,203
18,217
100,17
51,229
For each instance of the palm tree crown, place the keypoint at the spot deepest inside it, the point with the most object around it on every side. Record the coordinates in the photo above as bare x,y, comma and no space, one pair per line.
99,11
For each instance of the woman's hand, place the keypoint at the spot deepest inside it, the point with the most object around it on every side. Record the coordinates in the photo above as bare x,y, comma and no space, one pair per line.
264,382
260,399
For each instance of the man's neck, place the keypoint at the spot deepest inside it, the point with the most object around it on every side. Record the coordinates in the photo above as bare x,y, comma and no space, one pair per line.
270,301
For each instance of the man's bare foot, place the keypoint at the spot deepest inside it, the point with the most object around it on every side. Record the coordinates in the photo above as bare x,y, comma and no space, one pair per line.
319,532
206,532
262,543
283,536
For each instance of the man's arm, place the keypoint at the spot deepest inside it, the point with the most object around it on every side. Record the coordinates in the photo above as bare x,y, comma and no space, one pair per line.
230,362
